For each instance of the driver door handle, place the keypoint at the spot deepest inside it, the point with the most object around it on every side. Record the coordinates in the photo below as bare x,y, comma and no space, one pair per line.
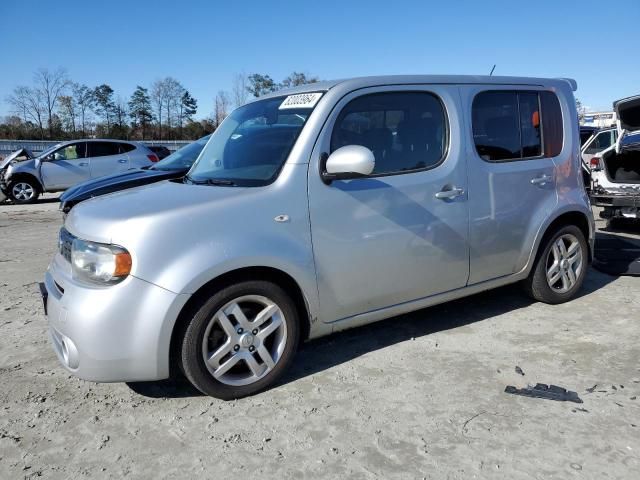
83,164
450,193
541,180
122,160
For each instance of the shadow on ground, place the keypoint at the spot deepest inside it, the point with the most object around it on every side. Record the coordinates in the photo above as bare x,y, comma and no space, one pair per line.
617,249
327,352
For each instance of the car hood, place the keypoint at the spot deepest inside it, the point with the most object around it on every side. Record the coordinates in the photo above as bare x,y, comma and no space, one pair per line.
18,153
116,182
125,214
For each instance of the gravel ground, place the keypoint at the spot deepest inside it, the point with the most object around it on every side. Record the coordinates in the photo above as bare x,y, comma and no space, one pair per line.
417,396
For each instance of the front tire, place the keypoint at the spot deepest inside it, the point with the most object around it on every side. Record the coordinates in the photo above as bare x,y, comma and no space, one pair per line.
241,340
560,269
23,192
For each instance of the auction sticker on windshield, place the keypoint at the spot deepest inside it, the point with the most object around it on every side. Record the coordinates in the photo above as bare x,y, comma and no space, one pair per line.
300,100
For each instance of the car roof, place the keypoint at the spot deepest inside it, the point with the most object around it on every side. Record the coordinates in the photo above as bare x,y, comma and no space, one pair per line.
363,82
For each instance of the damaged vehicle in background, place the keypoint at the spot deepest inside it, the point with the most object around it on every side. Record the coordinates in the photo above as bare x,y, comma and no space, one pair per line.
19,155
615,172
175,165
69,163
596,142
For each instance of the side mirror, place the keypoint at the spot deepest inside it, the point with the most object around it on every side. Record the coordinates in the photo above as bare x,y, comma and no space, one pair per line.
351,161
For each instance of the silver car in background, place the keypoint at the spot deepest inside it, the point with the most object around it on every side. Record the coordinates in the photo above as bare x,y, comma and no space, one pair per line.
69,163
318,209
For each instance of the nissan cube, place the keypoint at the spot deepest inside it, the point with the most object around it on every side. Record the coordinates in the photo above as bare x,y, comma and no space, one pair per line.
317,209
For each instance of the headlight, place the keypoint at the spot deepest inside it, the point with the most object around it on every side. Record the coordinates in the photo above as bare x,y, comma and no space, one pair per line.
99,263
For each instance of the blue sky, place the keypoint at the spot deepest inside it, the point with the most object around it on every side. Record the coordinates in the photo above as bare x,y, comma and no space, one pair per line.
202,44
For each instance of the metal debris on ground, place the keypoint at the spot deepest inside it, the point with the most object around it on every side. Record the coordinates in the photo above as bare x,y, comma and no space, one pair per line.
549,392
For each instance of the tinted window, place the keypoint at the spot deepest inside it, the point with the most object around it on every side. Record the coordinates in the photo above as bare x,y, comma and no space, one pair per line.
496,130
70,152
404,130
126,147
101,149
530,127
511,125
552,128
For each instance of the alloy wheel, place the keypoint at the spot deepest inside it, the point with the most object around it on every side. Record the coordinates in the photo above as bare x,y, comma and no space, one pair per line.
244,340
22,191
564,263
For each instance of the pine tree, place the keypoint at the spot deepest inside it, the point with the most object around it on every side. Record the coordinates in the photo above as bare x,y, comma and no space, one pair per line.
140,109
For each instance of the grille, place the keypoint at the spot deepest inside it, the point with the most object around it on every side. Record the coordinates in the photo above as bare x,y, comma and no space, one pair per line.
65,241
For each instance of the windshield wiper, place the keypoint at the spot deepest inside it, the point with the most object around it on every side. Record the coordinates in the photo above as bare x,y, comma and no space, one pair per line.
218,181
211,181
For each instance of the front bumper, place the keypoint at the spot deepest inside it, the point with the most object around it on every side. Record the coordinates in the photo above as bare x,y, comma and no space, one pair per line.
119,333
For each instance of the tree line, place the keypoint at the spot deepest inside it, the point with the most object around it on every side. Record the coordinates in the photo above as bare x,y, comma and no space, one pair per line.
56,108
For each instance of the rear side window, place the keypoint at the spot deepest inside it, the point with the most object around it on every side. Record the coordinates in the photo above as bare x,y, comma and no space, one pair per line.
513,125
405,130
126,147
102,149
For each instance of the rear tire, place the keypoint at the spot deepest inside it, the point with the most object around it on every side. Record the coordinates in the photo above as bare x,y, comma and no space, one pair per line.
240,340
23,191
560,268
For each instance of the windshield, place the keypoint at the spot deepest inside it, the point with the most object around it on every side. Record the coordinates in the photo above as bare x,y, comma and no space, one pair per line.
251,145
49,150
183,158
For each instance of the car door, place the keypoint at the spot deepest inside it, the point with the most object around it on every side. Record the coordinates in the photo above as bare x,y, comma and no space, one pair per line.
65,167
598,143
511,174
387,238
106,158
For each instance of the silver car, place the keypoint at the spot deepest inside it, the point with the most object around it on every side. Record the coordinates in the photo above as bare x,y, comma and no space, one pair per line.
68,163
318,209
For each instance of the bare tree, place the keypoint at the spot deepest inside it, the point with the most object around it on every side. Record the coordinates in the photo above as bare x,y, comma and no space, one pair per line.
158,95
220,107
51,85
68,113
239,89
173,93
29,104
84,98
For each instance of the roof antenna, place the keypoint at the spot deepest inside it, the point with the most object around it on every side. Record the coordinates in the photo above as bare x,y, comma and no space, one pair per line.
491,73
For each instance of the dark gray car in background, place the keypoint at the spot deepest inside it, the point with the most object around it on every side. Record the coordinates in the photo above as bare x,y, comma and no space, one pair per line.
173,166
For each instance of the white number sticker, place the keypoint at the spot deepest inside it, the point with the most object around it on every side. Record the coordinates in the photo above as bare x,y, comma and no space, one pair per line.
300,100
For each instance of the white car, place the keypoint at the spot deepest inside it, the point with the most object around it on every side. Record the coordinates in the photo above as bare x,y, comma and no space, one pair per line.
615,172
69,163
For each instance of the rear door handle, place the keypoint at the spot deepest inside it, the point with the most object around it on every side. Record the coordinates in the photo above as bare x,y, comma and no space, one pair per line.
449,193
541,180
122,160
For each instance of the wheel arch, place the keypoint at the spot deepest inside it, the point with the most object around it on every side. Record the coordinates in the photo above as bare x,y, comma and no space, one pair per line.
279,277
26,176
571,217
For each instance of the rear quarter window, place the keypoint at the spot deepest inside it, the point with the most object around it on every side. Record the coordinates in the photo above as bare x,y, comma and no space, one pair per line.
126,147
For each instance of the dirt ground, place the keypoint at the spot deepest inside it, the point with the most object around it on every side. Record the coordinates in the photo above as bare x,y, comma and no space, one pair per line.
417,396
